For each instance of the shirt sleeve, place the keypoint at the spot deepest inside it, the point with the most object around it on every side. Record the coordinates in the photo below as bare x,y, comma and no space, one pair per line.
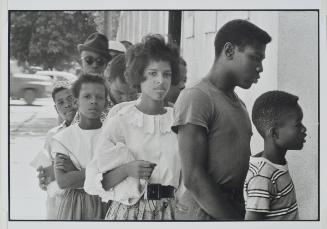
259,194
47,143
57,147
110,153
193,106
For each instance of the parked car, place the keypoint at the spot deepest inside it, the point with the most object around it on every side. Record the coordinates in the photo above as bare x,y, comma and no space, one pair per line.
58,76
29,86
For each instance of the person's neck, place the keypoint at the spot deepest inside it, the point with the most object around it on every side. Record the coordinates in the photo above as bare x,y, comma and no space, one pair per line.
274,153
220,78
150,106
89,124
67,123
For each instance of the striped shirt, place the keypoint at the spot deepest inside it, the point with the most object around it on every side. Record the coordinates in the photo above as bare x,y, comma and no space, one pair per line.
269,189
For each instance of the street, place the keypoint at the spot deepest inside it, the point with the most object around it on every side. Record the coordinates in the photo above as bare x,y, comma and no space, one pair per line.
28,126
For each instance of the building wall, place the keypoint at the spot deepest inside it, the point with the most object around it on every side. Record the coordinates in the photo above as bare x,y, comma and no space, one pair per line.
298,74
135,24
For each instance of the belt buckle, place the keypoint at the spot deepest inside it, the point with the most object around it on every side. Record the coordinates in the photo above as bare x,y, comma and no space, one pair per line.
153,191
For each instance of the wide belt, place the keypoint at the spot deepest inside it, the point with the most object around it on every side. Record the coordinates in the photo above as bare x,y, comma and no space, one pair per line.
158,191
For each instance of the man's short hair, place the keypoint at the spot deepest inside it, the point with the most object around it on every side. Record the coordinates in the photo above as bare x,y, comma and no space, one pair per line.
240,33
117,68
59,86
269,107
87,78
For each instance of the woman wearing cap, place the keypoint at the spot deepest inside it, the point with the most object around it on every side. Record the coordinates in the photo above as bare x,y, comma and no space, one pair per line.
136,163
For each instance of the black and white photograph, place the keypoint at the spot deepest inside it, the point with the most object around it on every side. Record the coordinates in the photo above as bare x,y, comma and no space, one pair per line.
163,115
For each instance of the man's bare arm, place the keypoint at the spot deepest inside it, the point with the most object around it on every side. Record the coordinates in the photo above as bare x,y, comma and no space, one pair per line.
192,141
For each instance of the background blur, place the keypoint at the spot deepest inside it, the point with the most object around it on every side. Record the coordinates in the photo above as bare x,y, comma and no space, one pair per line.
43,49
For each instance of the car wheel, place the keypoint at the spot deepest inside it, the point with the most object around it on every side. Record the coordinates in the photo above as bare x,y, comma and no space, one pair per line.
29,96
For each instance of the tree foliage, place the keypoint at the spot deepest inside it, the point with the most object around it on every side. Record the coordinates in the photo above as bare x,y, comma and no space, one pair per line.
49,38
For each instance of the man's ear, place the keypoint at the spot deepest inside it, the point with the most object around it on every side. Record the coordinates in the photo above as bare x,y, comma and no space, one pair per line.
273,132
229,50
55,107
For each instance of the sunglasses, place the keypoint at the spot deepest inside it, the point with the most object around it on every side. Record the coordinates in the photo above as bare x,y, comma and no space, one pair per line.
90,60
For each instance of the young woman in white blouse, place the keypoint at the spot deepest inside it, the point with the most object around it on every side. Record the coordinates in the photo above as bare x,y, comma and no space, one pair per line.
136,163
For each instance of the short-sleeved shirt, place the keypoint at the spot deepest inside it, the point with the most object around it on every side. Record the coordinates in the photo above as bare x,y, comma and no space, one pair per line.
48,138
228,129
269,189
76,143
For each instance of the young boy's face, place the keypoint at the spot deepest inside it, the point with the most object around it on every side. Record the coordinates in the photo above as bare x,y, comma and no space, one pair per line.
291,131
91,100
247,64
64,104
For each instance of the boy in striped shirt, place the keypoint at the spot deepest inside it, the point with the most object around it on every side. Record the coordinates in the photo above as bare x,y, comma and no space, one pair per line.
268,190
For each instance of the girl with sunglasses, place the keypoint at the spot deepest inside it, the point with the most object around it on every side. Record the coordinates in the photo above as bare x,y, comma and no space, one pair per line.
136,163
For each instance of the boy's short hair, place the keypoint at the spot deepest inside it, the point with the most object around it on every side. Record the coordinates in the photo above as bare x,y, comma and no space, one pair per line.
269,107
152,47
87,78
59,86
117,68
240,33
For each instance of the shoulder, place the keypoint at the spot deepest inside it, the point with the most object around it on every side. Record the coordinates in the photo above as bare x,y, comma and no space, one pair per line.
115,109
66,132
55,130
121,115
192,98
260,166
195,92
262,173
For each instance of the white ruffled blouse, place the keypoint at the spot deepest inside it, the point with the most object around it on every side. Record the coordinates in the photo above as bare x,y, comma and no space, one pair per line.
132,135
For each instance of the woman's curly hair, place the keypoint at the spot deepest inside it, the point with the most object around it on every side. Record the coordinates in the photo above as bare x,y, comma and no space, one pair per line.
152,48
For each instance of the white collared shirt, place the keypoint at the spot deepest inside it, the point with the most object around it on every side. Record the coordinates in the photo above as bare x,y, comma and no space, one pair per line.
132,135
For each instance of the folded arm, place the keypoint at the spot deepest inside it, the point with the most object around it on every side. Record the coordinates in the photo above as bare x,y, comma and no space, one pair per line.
68,179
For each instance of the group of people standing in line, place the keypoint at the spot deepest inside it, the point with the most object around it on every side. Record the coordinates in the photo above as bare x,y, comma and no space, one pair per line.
130,151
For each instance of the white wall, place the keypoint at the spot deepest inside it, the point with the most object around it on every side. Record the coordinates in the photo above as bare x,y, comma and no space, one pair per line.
298,74
135,24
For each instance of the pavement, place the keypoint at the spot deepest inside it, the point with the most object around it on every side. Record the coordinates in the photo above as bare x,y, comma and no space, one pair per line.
28,126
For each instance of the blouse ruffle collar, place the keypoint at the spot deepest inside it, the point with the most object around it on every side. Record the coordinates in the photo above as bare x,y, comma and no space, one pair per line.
138,119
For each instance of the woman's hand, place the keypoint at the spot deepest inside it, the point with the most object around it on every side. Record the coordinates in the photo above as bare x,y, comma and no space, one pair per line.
64,163
45,176
140,169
